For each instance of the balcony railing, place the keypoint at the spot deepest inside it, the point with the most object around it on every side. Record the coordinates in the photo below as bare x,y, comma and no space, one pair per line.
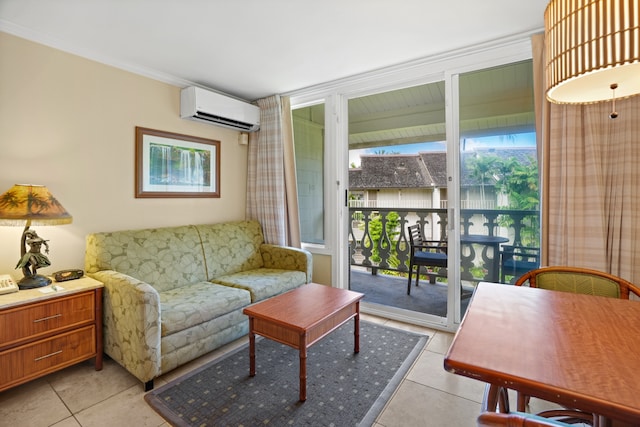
378,237
418,204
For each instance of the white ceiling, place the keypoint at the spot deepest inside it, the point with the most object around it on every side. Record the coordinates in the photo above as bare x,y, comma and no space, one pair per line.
255,48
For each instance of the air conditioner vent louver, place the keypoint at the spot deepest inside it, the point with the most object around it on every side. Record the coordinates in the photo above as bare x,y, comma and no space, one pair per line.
224,121
217,109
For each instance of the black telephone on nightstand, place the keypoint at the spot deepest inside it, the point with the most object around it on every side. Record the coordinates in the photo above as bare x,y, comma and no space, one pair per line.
64,275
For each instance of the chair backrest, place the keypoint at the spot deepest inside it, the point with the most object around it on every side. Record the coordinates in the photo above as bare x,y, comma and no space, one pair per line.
415,235
578,280
524,253
517,260
515,419
417,239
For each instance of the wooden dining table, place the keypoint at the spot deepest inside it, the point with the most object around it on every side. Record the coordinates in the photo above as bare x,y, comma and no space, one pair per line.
580,351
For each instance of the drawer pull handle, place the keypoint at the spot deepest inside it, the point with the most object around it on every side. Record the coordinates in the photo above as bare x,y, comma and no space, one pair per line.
47,318
48,355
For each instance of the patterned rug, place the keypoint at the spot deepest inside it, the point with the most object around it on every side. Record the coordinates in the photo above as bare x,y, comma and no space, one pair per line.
343,388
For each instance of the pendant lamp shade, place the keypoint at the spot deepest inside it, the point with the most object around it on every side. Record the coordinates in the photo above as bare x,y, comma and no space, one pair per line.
592,45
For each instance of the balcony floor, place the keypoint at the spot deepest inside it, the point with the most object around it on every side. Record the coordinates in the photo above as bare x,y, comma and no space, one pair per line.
392,291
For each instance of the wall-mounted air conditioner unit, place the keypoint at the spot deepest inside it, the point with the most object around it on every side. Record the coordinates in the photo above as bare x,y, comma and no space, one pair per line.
211,107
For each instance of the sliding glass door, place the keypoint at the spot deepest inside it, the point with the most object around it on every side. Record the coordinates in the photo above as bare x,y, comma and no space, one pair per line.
498,174
448,146
397,179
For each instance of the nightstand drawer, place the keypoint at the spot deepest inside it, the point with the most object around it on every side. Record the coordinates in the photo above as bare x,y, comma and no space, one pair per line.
43,332
46,317
48,355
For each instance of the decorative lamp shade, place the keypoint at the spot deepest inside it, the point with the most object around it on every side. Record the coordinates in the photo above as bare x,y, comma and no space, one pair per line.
33,204
591,46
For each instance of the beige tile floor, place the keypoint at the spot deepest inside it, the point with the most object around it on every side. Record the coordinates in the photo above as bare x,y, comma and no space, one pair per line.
80,396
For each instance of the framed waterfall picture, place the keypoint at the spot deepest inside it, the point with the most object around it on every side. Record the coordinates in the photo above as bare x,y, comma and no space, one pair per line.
173,165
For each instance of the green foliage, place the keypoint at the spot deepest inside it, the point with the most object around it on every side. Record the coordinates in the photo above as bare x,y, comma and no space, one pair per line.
518,181
392,232
478,272
483,169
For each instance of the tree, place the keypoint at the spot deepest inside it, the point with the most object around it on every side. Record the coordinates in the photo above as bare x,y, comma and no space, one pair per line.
483,170
519,181
516,179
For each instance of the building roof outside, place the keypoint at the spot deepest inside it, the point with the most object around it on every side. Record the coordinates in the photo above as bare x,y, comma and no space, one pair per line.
426,169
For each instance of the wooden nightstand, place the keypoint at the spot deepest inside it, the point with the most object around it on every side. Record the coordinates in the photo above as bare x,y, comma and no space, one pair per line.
43,332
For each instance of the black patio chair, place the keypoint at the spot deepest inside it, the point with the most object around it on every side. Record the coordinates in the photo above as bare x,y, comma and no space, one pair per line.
517,260
424,253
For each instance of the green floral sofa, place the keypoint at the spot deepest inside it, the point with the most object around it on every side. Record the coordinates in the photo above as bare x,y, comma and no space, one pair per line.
173,294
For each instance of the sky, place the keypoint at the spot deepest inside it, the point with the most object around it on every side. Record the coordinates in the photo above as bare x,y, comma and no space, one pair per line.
511,141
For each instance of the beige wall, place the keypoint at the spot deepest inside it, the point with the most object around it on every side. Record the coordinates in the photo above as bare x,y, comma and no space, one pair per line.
68,123
322,269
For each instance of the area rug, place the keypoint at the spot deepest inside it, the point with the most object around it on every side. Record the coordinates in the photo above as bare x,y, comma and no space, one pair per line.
343,388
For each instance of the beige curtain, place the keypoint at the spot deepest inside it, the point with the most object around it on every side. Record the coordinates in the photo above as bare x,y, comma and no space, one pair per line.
272,196
541,106
590,182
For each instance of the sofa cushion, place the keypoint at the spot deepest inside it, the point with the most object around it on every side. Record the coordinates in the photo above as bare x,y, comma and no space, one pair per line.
264,283
165,258
193,304
231,247
191,343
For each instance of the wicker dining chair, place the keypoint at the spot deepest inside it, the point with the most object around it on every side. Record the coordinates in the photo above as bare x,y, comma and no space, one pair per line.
576,280
516,419
496,400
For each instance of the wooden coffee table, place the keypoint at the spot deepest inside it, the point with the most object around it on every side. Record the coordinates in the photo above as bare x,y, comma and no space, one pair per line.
301,317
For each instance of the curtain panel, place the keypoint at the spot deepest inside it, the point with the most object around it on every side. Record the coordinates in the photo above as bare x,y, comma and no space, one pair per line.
272,196
590,182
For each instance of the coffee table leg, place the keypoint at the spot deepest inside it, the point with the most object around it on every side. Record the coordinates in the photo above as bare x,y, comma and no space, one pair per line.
252,349
356,329
303,369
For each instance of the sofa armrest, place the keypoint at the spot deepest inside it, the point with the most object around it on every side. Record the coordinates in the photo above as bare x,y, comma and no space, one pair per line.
287,258
132,327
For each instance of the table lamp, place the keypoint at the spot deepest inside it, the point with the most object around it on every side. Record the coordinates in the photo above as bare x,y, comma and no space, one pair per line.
26,204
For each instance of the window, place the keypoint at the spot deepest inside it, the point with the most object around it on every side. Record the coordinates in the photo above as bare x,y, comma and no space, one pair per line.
308,134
